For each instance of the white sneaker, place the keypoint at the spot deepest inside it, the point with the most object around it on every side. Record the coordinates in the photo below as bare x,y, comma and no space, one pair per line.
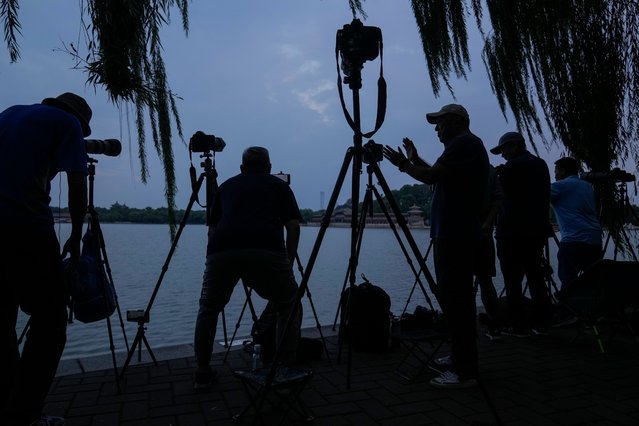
450,380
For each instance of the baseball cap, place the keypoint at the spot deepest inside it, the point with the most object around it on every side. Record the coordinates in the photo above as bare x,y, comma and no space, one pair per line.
455,109
507,137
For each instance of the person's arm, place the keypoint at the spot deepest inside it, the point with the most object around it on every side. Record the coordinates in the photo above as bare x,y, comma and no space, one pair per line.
77,183
421,172
292,239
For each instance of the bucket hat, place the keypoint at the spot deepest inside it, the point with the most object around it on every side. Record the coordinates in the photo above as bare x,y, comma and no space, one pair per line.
74,104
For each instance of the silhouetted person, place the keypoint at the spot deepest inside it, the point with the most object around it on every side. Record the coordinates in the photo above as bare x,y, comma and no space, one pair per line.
460,176
36,143
246,241
486,258
573,201
522,232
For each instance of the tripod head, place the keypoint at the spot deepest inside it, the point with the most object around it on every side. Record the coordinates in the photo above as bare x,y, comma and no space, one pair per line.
210,175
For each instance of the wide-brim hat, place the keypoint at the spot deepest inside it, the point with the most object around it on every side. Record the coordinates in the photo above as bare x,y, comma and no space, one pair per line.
454,109
73,104
506,138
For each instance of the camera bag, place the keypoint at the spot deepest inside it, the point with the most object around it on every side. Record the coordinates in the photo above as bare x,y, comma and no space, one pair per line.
369,317
92,293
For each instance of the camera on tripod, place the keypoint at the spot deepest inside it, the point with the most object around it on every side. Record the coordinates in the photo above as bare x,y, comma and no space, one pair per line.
108,147
615,175
201,142
357,44
374,152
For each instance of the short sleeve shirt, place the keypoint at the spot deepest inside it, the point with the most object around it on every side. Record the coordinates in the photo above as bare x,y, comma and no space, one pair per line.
461,197
573,200
36,143
249,212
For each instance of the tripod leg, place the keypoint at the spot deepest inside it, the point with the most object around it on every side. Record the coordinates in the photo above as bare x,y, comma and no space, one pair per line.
134,345
311,262
107,266
148,348
380,201
409,237
102,262
345,316
317,322
237,324
412,290
362,223
140,334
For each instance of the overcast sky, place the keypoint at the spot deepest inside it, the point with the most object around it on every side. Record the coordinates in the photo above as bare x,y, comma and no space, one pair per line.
255,72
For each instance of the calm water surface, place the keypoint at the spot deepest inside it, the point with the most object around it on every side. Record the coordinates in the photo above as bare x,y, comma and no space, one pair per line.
137,253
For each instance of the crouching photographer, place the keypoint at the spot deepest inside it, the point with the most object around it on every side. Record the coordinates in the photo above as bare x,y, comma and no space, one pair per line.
246,241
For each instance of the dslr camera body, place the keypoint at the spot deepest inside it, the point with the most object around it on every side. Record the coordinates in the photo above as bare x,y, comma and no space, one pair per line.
201,142
357,44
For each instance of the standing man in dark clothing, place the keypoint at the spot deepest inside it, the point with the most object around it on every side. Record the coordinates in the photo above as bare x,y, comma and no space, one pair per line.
246,241
522,232
36,143
460,176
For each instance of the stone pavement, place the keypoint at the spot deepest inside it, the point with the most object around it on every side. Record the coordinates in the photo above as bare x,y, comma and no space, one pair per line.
532,381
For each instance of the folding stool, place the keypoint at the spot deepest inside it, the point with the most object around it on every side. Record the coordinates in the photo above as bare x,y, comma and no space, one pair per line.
413,342
285,391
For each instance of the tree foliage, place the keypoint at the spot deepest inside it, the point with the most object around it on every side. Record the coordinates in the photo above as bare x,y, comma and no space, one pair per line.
572,65
124,56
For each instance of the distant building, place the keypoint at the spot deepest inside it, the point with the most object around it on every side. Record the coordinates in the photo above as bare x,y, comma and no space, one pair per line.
341,217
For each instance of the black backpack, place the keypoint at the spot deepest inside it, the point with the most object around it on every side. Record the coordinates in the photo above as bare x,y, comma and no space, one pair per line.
368,327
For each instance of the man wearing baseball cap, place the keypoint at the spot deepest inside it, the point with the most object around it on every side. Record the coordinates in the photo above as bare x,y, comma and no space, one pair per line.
522,231
461,180
36,143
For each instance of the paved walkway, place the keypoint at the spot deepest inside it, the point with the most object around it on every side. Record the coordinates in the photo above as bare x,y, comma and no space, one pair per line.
532,381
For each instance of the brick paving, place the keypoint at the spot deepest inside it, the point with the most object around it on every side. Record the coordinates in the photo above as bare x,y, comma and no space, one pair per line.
533,381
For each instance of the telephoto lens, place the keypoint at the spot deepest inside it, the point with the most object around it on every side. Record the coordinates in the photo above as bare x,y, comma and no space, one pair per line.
108,147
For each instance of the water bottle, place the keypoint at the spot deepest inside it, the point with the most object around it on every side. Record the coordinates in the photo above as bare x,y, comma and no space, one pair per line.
257,357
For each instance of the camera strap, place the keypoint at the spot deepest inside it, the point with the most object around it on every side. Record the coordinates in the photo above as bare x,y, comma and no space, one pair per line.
381,94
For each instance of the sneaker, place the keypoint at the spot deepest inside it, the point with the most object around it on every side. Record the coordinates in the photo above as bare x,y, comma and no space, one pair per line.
516,332
450,380
494,335
540,331
48,421
202,379
443,362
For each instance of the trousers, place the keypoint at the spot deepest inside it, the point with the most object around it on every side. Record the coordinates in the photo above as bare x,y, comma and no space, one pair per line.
268,273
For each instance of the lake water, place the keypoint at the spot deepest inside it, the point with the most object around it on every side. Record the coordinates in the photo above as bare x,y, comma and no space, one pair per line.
137,253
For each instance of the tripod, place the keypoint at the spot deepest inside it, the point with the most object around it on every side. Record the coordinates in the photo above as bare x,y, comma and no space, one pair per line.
103,261
624,209
367,205
142,317
354,156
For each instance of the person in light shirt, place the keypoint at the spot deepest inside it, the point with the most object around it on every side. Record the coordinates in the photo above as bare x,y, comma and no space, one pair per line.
573,201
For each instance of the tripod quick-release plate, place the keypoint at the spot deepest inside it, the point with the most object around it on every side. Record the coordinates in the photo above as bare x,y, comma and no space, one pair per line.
139,315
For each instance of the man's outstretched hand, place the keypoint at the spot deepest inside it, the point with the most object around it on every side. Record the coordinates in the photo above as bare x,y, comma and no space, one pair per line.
397,158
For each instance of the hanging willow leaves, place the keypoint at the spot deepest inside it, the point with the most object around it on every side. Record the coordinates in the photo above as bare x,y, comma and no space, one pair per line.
572,65
9,15
125,56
